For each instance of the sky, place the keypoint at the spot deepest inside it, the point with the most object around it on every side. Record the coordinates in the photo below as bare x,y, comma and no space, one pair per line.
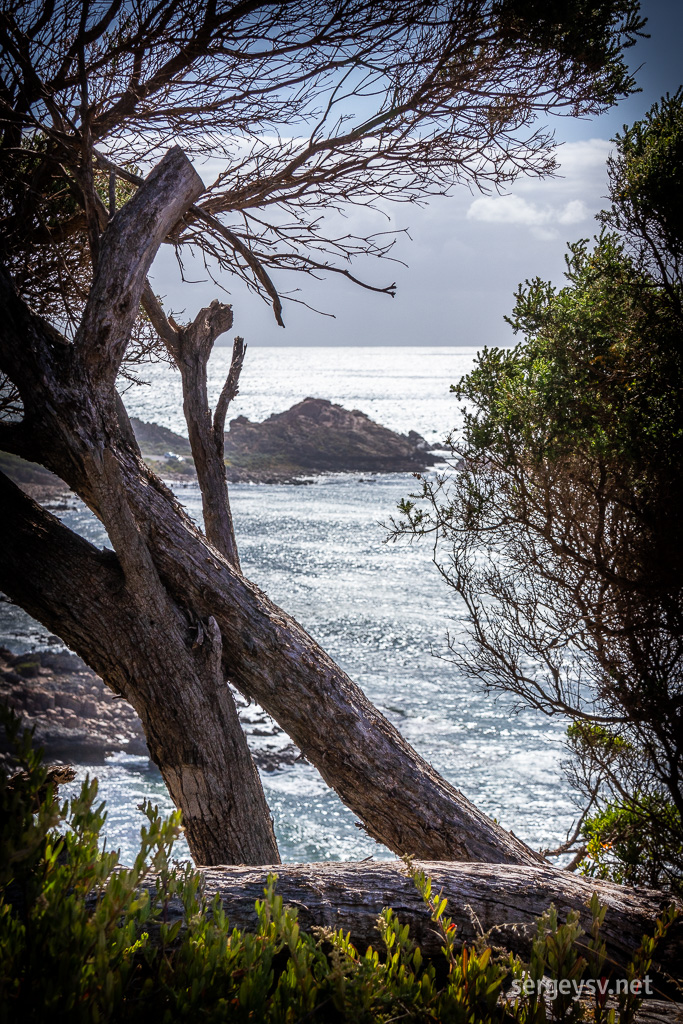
466,254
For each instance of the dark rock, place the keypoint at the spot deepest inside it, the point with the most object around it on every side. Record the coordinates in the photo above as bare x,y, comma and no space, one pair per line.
269,760
82,745
62,661
137,746
77,718
169,454
316,436
156,440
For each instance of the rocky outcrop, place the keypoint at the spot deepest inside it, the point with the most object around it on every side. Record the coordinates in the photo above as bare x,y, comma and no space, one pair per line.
75,716
316,436
168,453
78,719
156,440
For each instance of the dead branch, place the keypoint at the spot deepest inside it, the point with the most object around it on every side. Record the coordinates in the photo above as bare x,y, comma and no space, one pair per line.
128,247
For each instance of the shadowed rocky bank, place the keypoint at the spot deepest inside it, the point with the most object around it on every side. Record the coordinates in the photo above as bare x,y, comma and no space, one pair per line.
78,719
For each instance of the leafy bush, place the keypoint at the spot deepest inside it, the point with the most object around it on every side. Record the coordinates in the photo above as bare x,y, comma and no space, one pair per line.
82,941
558,525
621,847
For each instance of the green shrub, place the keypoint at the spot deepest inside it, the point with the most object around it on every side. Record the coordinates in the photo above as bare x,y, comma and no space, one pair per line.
622,845
82,941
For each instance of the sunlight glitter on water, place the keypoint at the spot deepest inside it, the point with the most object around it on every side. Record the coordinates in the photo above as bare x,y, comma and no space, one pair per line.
380,610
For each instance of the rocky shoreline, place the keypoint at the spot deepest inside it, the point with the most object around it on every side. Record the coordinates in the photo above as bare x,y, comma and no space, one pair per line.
317,436
74,715
311,438
77,719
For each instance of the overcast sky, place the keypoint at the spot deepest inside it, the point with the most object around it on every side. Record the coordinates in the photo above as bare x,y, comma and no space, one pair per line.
468,252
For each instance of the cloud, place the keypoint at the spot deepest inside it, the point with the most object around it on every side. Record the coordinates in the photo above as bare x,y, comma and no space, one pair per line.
517,210
582,161
506,210
573,213
465,256
580,158
545,206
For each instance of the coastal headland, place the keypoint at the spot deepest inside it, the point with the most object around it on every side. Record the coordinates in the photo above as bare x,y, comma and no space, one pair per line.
313,437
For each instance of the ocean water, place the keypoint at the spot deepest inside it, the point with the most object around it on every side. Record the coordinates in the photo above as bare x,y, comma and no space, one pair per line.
403,388
379,609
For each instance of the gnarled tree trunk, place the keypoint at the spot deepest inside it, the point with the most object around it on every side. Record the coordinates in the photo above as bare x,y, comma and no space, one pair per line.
168,616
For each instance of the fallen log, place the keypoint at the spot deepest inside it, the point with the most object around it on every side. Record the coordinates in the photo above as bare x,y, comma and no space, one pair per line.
503,900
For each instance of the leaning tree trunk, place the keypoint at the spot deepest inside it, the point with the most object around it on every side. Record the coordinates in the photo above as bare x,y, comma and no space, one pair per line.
399,797
154,659
153,651
501,899
144,617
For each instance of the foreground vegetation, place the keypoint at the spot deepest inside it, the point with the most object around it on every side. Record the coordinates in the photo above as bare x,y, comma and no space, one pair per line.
81,940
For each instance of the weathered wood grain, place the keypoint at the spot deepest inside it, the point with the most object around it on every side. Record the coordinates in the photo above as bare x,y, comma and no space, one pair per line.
127,249
501,899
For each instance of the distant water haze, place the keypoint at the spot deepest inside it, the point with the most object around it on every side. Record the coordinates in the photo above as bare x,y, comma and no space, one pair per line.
380,610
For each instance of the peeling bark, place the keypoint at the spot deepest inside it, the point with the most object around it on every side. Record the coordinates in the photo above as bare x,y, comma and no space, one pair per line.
127,249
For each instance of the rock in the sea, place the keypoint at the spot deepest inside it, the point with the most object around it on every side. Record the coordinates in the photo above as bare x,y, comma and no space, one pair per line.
156,440
39,482
314,436
317,436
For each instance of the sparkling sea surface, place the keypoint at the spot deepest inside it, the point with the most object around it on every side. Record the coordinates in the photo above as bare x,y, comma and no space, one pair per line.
380,610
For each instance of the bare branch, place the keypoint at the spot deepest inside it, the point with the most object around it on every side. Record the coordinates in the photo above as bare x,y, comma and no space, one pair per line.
208,325
195,343
248,256
169,334
229,392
